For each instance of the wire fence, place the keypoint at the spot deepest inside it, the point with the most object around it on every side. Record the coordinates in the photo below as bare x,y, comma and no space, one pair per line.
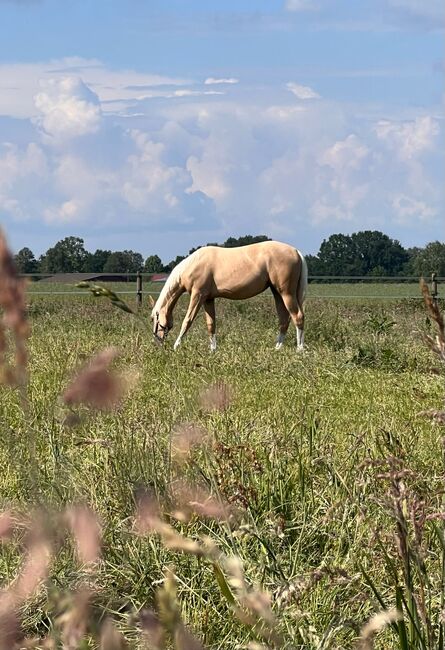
137,280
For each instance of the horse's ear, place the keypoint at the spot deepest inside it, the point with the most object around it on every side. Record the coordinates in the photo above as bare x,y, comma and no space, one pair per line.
151,301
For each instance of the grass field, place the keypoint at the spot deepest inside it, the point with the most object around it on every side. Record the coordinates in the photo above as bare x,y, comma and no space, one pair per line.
336,480
381,290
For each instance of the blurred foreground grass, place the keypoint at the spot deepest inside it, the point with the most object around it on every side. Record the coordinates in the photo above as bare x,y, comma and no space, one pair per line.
304,449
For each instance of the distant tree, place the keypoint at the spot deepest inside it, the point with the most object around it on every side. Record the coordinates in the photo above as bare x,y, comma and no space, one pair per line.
368,252
378,253
408,268
123,262
231,242
171,265
314,265
338,256
430,259
25,261
153,264
67,256
95,262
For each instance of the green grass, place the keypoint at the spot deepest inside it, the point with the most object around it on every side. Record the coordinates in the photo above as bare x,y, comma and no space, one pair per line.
302,450
383,290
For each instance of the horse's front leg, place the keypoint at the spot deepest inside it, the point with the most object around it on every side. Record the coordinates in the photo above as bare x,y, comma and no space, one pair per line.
209,308
193,308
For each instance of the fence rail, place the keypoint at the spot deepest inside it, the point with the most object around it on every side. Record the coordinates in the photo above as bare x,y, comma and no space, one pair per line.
139,278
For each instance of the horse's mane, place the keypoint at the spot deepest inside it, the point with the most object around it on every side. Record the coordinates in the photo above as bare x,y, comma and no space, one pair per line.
171,285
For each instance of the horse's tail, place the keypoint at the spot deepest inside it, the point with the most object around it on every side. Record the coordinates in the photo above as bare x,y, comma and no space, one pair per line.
302,281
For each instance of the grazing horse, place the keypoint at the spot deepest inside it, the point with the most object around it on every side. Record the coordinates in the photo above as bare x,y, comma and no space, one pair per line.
235,273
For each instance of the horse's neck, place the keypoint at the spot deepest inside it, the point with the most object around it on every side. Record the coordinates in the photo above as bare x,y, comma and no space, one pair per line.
172,296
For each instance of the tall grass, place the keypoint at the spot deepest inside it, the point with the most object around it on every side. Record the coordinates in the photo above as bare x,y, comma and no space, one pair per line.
252,498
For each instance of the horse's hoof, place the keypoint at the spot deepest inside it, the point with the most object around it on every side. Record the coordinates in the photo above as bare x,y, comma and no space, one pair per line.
278,346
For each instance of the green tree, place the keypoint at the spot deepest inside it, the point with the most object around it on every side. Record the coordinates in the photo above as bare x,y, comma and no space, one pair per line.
67,256
123,262
378,253
338,256
95,262
368,252
25,261
171,265
153,264
430,259
245,240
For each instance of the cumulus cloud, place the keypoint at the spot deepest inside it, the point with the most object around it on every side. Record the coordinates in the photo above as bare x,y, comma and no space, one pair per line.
151,184
116,89
67,109
345,155
301,92
194,161
408,209
408,139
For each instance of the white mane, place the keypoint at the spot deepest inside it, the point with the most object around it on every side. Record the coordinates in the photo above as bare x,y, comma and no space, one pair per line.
171,281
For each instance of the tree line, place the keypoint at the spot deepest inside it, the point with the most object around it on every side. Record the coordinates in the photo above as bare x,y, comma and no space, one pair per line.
365,253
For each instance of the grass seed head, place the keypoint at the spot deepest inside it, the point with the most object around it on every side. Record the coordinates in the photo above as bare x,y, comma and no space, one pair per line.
13,305
375,625
216,397
86,531
96,385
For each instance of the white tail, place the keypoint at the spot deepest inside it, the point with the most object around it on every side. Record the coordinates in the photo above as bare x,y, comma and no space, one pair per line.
303,280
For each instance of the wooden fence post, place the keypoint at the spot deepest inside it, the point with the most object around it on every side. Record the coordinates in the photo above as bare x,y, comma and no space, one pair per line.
139,289
434,292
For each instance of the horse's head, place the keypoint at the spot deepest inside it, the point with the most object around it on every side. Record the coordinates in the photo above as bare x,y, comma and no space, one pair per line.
162,323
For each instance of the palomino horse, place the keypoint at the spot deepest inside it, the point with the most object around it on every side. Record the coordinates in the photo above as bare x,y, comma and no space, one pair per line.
236,273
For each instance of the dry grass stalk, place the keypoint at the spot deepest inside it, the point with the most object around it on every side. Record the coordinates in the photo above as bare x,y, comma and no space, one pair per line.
437,345
13,305
375,625
148,521
170,616
96,385
195,499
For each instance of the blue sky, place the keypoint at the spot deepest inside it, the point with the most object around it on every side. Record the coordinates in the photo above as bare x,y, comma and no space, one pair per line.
160,125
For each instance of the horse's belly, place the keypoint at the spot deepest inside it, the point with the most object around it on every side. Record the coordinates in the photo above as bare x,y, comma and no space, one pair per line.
240,290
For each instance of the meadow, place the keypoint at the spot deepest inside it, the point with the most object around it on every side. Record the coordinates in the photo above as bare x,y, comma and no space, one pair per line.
328,472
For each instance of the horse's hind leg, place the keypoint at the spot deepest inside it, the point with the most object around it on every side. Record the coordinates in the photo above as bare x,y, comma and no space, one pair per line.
193,308
283,318
209,308
297,315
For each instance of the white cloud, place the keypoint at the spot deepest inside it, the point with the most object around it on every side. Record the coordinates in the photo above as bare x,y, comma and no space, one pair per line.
345,155
149,183
67,109
222,80
409,209
302,92
116,89
408,139
240,164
